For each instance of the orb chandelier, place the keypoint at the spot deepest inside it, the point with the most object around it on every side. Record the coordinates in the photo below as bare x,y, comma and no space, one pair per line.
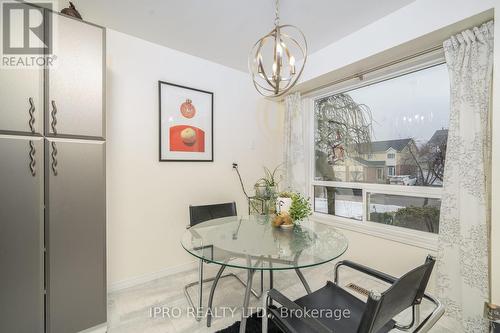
277,60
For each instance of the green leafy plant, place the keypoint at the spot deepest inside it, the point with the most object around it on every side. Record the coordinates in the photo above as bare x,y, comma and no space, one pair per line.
270,181
271,178
300,208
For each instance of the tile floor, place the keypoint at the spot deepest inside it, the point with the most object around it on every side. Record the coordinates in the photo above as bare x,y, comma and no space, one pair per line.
130,309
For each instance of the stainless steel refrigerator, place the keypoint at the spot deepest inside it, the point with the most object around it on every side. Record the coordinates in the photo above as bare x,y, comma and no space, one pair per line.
53,187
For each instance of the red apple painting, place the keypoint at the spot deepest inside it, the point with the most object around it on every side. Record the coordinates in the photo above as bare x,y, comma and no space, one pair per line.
187,109
186,123
187,138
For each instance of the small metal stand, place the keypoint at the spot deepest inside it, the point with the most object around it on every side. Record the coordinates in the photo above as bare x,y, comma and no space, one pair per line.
257,205
261,205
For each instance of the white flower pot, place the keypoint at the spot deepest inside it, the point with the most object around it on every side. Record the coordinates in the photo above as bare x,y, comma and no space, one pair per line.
283,204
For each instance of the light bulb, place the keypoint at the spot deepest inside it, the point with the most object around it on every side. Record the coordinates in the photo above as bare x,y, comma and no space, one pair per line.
292,65
279,49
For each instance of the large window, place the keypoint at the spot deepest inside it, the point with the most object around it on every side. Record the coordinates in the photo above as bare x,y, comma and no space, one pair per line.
373,141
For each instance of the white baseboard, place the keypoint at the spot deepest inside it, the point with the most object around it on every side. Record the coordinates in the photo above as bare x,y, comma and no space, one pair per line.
140,279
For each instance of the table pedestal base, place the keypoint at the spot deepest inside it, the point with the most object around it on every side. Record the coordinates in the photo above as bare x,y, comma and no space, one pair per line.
246,299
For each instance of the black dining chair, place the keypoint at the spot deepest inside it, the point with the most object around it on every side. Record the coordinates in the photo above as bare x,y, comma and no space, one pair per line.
199,214
374,316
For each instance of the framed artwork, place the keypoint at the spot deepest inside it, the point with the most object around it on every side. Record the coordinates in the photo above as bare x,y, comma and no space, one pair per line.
186,123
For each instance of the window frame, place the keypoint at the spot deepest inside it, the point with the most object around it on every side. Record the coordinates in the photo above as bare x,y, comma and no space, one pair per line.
407,236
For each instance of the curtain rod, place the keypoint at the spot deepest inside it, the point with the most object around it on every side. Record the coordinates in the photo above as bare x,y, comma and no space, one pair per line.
376,68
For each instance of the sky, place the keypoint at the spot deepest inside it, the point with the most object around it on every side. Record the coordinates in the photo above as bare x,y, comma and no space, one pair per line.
413,105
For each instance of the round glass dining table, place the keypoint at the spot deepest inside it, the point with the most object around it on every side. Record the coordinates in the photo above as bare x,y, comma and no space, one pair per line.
253,244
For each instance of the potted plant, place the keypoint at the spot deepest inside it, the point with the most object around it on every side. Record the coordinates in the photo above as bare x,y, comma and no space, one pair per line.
260,188
283,202
300,208
267,186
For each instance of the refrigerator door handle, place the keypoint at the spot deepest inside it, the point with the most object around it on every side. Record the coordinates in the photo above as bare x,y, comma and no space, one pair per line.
54,119
32,115
32,163
54,158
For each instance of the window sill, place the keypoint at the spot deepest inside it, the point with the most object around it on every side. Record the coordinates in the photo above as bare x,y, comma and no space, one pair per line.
416,238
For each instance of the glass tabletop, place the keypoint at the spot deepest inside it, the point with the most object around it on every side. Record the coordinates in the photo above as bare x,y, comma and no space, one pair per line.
251,242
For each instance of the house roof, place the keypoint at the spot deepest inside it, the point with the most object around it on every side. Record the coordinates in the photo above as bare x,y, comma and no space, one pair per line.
379,146
439,137
369,163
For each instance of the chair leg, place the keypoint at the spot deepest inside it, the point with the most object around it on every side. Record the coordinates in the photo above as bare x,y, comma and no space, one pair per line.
198,313
261,282
264,313
196,283
417,314
271,285
201,281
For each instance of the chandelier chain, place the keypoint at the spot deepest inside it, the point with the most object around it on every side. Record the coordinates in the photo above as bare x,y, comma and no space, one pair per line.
277,12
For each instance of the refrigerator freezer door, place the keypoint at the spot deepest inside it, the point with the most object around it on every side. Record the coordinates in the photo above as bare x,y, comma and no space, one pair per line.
21,235
21,93
21,87
75,100
76,234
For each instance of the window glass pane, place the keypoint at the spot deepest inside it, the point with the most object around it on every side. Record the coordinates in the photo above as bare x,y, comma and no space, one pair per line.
338,201
404,211
390,132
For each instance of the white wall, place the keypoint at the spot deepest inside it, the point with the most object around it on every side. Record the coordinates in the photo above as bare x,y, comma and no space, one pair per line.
419,18
148,200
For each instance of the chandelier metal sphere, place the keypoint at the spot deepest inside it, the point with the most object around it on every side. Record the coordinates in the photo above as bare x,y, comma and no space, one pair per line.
277,60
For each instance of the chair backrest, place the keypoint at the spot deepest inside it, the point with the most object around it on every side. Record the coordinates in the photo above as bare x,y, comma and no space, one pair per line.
407,291
198,214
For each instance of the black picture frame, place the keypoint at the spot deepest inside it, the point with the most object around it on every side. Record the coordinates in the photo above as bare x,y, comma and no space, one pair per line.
160,127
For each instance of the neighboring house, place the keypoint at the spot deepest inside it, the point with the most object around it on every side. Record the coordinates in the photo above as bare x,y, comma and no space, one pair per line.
380,161
376,162
438,138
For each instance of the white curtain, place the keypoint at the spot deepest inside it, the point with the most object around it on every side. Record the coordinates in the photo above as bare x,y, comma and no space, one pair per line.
294,145
463,249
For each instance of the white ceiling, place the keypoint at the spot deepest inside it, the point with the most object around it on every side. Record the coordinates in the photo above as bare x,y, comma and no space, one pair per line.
223,31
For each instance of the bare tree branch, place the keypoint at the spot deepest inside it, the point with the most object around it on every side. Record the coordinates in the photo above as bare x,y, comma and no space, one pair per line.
342,124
